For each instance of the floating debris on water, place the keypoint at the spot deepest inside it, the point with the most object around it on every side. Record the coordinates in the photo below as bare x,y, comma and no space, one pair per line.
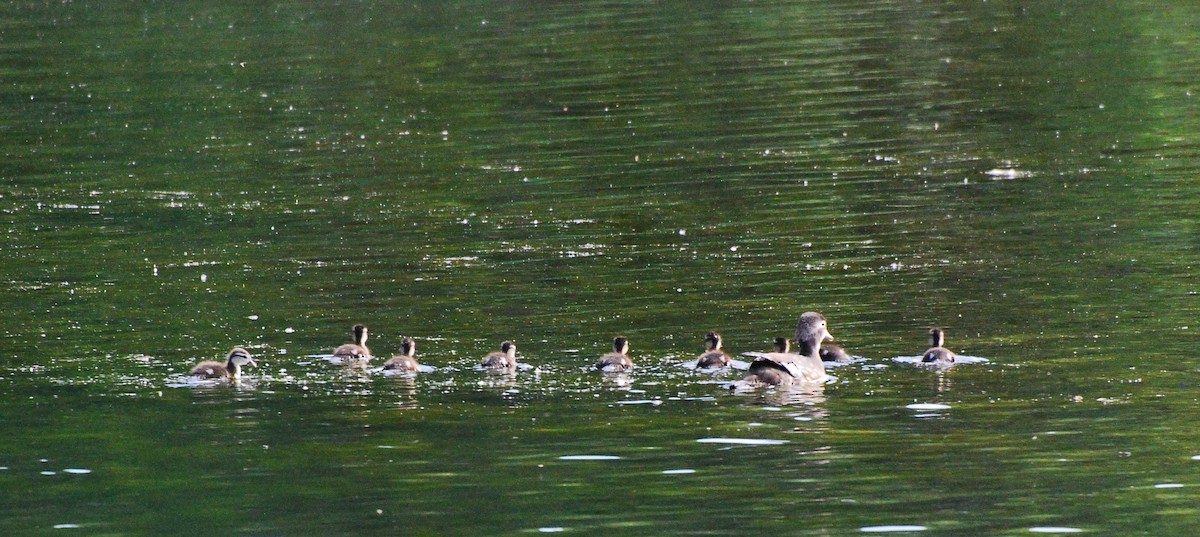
928,406
589,458
1008,174
742,441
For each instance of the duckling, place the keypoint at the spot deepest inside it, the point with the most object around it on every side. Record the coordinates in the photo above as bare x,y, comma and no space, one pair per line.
231,369
834,353
505,359
713,356
406,360
937,353
357,350
781,369
618,359
783,345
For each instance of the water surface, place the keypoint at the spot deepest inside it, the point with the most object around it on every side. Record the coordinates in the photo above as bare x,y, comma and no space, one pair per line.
180,179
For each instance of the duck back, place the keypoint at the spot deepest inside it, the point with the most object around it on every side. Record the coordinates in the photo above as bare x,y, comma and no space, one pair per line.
209,369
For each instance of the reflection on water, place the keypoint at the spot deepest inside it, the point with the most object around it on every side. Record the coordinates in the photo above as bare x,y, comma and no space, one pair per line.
245,383
616,379
958,359
799,394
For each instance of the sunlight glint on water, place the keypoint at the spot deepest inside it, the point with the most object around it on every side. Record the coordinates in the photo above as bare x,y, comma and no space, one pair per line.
189,177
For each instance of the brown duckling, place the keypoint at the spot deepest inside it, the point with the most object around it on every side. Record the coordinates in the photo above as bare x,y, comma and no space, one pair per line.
781,369
783,345
618,359
713,356
505,359
937,353
405,361
834,353
231,369
357,350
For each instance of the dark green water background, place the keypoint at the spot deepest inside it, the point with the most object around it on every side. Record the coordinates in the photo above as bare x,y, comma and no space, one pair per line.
177,178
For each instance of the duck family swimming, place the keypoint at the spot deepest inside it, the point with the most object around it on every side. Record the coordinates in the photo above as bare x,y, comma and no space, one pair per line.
783,367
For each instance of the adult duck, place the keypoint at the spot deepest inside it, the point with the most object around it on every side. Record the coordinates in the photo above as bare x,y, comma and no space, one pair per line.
782,369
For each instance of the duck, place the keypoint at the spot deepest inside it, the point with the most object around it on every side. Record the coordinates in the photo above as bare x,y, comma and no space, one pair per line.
783,368
834,353
357,350
503,360
405,361
783,345
936,352
713,357
231,369
618,359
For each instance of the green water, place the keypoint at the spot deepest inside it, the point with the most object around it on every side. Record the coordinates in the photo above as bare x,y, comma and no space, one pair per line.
179,178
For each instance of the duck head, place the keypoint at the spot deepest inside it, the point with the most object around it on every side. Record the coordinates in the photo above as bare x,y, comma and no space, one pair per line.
811,330
621,345
712,341
937,337
509,349
783,345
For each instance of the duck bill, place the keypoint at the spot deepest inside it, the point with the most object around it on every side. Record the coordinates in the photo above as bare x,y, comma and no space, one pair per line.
828,336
